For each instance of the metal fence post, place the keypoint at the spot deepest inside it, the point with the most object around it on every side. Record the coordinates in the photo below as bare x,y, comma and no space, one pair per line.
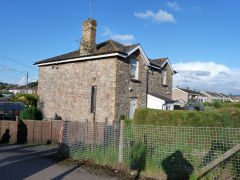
120,155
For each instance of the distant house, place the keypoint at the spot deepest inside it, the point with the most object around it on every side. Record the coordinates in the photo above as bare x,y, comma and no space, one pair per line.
234,99
212,96
187,95
28,90
22,89
101,81
13,89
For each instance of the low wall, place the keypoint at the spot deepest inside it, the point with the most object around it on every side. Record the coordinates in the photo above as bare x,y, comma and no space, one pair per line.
37,131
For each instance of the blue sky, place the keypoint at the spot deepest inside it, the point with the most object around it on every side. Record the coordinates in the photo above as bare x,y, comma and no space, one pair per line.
200,37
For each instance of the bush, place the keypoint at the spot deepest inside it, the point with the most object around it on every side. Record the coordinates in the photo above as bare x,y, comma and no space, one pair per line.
31,113
218,104
27,99
138,156
228,117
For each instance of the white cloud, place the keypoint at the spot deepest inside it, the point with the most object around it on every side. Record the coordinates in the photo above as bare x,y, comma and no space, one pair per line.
123,38
161,16
207,76
23,81
174,5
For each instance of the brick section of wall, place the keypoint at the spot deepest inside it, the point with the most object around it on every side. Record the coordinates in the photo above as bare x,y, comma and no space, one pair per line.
38,131
179,94
124,82
155,83
65,90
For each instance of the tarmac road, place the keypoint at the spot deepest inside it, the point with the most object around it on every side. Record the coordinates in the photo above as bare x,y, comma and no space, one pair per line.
30,162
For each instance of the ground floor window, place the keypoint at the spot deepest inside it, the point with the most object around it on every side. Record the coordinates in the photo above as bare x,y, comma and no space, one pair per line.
133,105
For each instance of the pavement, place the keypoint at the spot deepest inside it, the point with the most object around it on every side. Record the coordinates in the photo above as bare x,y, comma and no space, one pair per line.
31,162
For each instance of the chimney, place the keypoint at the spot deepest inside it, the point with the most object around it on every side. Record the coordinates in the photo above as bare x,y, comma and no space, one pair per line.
88,43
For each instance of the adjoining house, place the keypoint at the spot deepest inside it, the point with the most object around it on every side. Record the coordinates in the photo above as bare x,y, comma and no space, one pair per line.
156,101
186,95
100,82
211,96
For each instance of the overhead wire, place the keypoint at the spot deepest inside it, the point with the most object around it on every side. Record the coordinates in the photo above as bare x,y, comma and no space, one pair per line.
13,60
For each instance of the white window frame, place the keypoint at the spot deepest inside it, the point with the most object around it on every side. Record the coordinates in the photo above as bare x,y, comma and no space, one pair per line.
136,76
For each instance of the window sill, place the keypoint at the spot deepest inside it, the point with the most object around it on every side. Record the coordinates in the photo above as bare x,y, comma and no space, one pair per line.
135,80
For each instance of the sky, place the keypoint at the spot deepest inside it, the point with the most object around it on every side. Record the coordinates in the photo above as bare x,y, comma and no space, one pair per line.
200,37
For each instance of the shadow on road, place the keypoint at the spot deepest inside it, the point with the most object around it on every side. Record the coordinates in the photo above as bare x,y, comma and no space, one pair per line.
17,165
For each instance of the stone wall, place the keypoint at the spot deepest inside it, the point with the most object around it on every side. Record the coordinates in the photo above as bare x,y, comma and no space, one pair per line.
155,83
127,88
65,90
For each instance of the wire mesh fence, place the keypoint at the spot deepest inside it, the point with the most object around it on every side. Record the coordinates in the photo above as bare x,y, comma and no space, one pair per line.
175,151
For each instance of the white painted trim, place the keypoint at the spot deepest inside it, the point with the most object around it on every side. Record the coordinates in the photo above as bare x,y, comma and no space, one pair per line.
180,90
167,61
139,47
82,59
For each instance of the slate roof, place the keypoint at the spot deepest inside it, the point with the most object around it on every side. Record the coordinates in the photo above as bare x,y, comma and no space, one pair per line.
189,91
105,47
158,62
213,94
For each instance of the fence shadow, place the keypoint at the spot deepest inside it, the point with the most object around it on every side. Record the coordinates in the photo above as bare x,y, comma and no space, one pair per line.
6,137
177,167
22,132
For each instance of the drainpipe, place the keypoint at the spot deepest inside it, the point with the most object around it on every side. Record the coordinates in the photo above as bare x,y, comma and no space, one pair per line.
147,87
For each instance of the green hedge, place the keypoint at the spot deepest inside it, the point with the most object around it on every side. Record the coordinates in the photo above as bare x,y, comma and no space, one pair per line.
31,113
220,118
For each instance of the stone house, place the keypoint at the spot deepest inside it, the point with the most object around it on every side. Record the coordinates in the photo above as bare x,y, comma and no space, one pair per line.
187,95
102,81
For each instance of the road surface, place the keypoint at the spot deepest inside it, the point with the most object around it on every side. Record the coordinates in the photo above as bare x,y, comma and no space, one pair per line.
30,162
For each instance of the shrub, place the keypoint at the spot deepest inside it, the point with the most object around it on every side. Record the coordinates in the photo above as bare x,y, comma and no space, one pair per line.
27,99
138,156
31,113
218,103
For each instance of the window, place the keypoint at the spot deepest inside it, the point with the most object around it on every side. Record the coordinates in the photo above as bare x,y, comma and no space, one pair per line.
164,77
134,69
93,99
133,104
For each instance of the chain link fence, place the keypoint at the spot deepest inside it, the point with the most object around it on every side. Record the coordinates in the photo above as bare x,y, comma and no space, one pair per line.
163,151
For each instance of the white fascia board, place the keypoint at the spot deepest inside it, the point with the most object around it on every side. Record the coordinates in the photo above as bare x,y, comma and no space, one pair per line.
138,47
167,61
180,90
82,59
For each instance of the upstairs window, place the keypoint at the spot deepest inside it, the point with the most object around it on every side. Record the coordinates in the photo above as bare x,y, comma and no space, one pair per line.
164,77
134,69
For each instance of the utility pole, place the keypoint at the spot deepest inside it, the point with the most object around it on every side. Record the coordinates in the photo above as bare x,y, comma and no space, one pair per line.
27,78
